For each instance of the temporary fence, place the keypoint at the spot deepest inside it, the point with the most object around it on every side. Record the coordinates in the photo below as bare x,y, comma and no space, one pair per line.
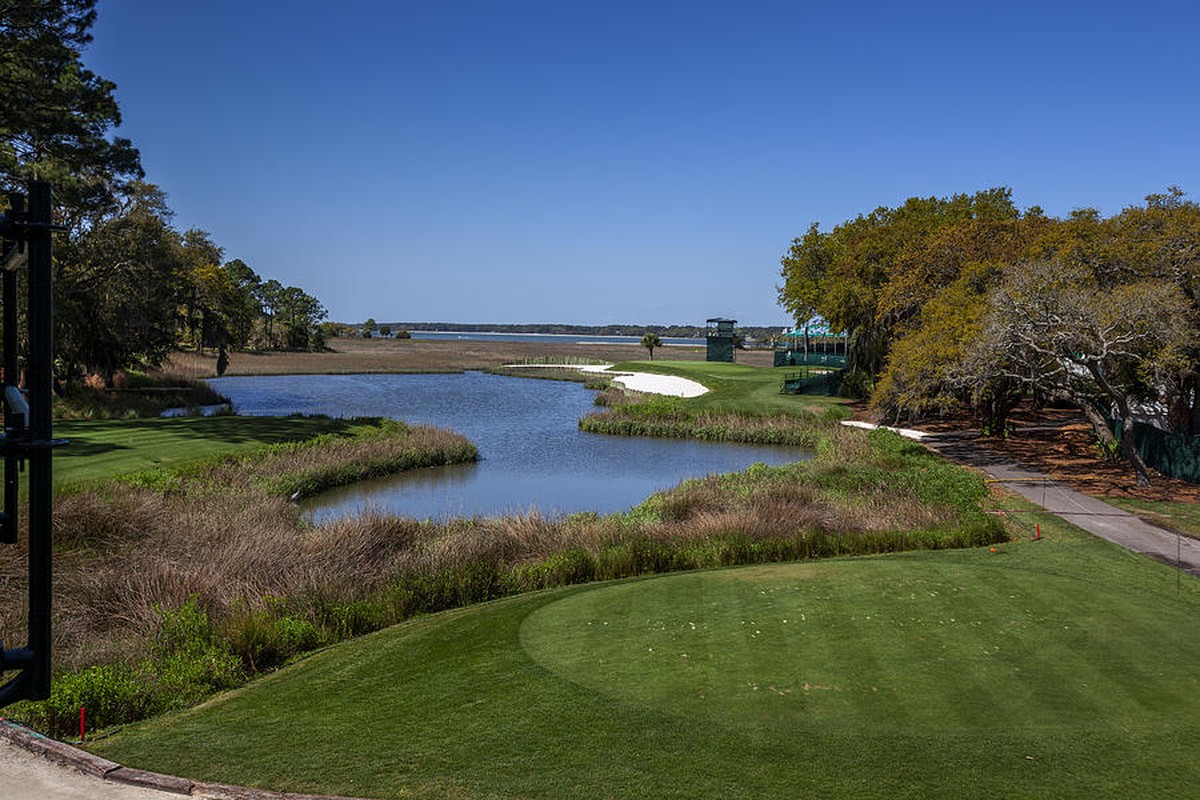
1174,454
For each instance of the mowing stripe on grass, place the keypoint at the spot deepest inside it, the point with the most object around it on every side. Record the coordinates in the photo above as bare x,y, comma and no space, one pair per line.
103,448
1058,668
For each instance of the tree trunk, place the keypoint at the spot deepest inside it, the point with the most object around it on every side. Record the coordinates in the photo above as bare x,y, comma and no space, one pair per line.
1099,424
994,405
1108,441
1129,450
1181,402
1128,445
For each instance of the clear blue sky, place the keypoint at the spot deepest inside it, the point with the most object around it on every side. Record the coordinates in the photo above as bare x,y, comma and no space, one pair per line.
626,162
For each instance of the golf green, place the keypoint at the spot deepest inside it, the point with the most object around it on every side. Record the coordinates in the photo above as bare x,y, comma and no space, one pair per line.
1052,669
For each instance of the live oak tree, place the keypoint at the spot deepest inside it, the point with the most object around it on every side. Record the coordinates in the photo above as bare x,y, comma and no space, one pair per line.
965,300
924,371
1161,242
1055,328
853,276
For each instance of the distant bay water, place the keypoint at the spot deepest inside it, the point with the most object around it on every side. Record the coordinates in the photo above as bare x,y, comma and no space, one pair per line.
564,338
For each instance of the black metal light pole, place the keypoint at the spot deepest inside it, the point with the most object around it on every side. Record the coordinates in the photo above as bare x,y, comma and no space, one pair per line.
28,434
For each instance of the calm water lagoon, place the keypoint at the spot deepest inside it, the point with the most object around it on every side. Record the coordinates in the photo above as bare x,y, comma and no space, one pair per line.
532,453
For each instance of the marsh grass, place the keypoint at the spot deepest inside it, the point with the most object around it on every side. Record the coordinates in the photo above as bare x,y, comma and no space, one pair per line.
220,539
135,395
544,373
297,470
629,414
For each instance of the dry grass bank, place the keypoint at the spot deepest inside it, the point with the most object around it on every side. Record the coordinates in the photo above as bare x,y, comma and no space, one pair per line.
348,356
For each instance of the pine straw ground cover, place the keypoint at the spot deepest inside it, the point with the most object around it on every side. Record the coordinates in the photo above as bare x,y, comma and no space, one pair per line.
173,584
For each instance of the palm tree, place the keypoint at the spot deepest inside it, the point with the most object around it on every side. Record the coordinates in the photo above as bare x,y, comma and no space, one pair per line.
651,341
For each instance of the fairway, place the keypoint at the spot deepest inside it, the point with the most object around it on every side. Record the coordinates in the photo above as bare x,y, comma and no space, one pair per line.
737,387
100,449
1059,668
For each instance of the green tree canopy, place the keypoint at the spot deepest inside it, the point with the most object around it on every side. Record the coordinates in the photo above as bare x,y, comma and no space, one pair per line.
861,276
965,300
56,116
115,288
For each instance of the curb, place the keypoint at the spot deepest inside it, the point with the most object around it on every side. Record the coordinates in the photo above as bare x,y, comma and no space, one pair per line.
88,764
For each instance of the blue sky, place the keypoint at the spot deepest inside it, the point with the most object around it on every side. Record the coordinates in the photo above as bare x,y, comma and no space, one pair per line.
625,162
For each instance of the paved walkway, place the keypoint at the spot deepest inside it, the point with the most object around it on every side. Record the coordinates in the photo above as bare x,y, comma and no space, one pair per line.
1094,516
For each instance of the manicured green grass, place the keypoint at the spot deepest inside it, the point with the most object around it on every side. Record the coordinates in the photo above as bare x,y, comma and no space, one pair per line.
1175,516
103,448
736,387
1059,668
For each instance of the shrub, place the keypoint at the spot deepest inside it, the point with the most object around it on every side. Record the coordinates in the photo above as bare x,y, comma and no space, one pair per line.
562,569
111,694
190,659
264,640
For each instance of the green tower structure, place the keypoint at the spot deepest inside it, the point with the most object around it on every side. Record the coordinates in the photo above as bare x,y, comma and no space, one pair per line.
719,335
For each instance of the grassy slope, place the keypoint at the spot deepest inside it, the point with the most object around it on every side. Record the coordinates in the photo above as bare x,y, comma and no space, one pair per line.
103,448
1061,668
735,387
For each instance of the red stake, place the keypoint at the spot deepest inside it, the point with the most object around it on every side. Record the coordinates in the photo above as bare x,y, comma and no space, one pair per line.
81,710
1039,531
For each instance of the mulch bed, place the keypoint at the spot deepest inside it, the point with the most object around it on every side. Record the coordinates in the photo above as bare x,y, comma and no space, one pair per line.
1059,442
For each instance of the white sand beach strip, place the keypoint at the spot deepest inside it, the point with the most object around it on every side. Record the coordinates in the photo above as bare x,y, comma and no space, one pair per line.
907,433
645,382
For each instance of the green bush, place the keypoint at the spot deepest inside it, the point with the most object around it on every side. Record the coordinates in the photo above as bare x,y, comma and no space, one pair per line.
263,640
111,694
562,569
190,659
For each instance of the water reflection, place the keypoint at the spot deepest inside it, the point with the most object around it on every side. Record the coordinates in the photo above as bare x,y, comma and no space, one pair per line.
533,454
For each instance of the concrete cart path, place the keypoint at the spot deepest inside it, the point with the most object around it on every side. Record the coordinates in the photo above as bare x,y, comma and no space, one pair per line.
1094,516
29,776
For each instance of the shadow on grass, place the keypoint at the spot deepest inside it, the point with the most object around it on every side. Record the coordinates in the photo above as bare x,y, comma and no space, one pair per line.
136,443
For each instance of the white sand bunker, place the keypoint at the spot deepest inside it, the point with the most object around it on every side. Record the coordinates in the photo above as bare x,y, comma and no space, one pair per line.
645,382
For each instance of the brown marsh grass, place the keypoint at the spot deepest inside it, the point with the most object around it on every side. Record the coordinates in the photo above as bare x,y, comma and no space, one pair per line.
351,356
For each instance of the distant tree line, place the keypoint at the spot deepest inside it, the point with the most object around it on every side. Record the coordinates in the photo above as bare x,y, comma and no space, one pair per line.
129,287
968,300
